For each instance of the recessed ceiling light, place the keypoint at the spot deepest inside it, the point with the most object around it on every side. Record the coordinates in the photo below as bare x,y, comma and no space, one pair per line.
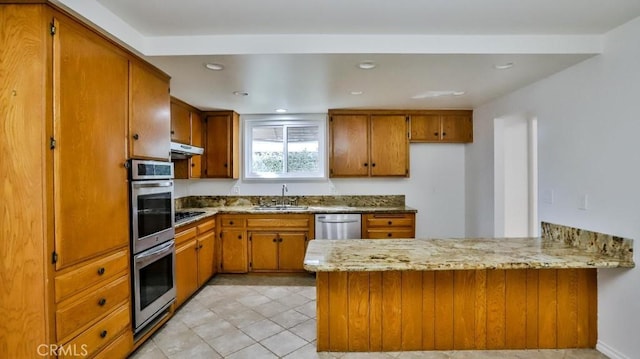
504,66
367,65
438,93
240,93
214,67
356,93
281,110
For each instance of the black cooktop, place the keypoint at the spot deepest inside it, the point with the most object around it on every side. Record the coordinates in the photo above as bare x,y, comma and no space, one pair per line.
185,215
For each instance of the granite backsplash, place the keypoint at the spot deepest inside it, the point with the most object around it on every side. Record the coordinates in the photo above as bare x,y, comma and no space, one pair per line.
350,201
590,241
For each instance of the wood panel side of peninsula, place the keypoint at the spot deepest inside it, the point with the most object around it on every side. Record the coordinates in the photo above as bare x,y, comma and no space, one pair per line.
457,309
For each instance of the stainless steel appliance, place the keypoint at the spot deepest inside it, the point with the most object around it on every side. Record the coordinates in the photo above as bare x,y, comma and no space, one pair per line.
181,151
152,207
338,226
152,244
153,282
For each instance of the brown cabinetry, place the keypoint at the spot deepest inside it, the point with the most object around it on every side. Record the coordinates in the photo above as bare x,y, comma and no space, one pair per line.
368,144
278,242
187,128
195,257
388,225
221,146
233,244
442,126
71,102
149,118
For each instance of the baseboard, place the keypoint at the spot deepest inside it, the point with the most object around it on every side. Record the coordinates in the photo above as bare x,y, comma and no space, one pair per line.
609,351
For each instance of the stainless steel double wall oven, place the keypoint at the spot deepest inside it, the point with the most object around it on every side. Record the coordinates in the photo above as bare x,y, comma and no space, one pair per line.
152,240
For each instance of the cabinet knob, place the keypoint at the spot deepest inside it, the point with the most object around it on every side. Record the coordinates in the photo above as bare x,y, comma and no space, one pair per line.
231,223
389,223
280,240
103,334
373,164
173,132
101,271
200,247
193,164
435,133
226,165
136,136
102,302
444,134
239,236
389,234
275,240
366,164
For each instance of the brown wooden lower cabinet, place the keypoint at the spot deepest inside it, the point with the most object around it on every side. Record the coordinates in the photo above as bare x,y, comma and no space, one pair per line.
459,309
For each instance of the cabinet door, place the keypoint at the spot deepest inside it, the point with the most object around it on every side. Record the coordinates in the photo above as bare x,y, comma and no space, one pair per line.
264,251
186,271
221,146
292,250
150,119
349,147
90,118
234,251
457,128
426,128
195,162
389,145
205,257
180,123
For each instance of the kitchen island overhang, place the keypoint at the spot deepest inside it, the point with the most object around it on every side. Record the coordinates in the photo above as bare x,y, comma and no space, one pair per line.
449,294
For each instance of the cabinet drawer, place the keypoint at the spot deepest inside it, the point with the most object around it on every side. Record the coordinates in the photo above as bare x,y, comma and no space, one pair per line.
185,235
101,333
278,223
119,348
390,233
91,274
80,312
206,226
233,222
391,220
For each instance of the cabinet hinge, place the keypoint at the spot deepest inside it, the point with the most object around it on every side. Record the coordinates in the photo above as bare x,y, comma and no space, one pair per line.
250,264
205,172
331,119
220,234
250,238
406,171
52,143
52,29
54,257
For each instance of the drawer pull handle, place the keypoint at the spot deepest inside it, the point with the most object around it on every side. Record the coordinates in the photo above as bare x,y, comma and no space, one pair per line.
103,334
389,234
102,302
231,223
101,271
390,223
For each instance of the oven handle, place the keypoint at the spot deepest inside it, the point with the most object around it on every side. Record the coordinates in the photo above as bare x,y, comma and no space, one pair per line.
144,257
153,184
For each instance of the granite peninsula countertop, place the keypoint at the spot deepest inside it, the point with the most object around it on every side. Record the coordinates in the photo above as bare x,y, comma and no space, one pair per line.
449,254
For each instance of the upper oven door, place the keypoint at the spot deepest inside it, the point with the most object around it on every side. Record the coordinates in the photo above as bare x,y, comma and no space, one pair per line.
152,210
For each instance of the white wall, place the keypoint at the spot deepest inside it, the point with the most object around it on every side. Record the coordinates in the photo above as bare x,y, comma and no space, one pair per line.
435,188
588,127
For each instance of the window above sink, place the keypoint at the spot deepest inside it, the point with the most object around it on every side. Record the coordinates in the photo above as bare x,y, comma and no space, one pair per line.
285,147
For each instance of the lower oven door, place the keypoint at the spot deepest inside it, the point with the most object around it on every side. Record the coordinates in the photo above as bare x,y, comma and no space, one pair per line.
153,282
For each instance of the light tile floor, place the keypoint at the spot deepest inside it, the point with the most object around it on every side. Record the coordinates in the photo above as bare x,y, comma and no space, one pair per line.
252,316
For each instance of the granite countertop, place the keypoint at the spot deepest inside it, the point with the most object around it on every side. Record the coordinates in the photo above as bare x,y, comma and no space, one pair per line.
210,211
448,254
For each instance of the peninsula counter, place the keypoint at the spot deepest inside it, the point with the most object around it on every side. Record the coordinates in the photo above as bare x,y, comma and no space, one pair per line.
446,294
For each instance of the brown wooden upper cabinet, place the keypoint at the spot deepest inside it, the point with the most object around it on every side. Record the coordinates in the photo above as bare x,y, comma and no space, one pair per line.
368,145
442,126
221,146
186,127
149,118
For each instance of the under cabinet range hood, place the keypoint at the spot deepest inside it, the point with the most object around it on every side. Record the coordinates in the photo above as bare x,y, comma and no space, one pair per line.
181,151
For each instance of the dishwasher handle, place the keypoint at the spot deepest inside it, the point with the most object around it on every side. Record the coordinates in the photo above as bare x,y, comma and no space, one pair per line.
321,220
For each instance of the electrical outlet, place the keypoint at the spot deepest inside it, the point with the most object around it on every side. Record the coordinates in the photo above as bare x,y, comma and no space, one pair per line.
584,202
235,189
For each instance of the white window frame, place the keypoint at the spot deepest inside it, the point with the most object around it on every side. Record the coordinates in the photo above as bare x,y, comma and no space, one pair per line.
251,121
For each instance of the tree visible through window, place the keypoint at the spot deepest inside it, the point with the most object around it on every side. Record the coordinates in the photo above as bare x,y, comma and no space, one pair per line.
284,149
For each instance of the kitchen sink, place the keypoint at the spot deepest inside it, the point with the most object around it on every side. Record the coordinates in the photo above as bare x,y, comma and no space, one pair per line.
280,208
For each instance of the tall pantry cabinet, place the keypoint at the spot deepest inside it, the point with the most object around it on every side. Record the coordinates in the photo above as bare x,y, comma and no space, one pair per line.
65,110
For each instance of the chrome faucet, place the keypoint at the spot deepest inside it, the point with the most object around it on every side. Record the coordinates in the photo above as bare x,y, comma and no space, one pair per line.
284,189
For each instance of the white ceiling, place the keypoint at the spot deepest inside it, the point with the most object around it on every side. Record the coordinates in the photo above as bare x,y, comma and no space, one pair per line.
303,55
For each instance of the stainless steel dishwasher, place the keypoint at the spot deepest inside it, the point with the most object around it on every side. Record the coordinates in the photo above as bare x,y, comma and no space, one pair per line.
338,226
